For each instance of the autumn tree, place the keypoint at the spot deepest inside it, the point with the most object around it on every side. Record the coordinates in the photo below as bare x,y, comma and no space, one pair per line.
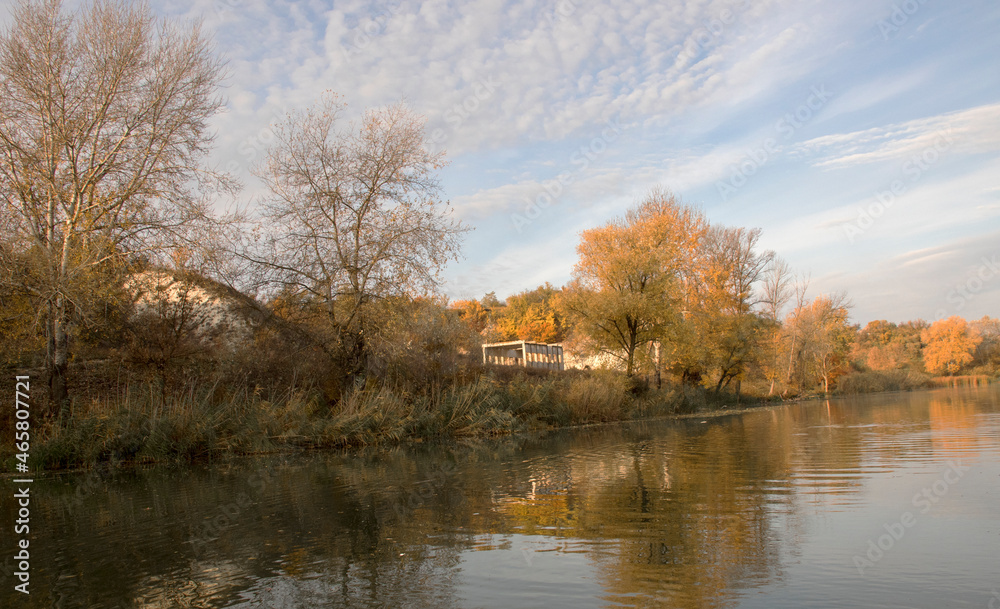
777,290
884,345
988,352
873,345
533,315
18,315
824,339
626,289
799,288
950,345
103,129
174,324
730,267
353,214
472,313
490,301
419,340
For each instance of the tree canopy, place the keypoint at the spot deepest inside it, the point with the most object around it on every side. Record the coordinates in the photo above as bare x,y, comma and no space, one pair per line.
353,214
629,281
103,133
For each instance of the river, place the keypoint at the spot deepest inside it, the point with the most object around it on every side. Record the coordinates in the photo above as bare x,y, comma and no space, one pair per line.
876,501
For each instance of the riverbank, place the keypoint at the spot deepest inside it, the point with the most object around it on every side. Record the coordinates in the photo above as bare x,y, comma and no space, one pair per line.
141,425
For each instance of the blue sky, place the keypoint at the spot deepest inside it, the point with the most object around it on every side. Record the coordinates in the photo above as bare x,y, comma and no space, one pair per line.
799,117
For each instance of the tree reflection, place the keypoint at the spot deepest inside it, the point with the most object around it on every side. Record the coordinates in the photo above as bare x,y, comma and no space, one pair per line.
686,513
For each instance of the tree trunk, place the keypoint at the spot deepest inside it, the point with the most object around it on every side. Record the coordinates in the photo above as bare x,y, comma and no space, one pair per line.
791,358
58,356
659,363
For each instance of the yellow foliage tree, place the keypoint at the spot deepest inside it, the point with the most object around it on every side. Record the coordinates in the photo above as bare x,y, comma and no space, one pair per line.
950,345
472,313
883,345
533,315
627,290
824,339
728,329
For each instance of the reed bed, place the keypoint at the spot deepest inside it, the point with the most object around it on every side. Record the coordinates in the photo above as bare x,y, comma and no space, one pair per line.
141,424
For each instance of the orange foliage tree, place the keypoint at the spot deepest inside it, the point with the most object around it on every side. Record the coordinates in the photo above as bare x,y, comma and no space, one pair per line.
472,313
627,289
950,345
533,315
824,339
883,345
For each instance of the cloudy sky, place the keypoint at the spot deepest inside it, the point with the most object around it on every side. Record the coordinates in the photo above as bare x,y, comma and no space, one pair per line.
862,136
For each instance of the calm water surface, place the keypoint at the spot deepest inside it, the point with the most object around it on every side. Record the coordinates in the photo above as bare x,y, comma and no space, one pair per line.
879,501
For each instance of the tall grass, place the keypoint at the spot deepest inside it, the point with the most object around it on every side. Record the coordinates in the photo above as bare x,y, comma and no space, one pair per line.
142,424
966,380
875,381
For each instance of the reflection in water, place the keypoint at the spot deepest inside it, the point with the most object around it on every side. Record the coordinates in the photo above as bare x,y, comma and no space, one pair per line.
766,508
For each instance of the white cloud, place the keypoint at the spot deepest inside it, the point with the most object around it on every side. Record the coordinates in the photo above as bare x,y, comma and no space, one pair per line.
953,201
925,283
518,82
560,73
974,130
513,269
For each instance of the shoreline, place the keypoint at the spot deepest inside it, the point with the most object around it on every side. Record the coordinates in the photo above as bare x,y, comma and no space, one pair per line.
304,445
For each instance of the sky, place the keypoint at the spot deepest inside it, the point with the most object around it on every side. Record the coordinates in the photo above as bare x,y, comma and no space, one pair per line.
861,136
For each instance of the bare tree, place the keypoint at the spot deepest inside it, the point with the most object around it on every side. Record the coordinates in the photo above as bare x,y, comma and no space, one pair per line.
103,126
801,287
777,291
354,214
776,285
